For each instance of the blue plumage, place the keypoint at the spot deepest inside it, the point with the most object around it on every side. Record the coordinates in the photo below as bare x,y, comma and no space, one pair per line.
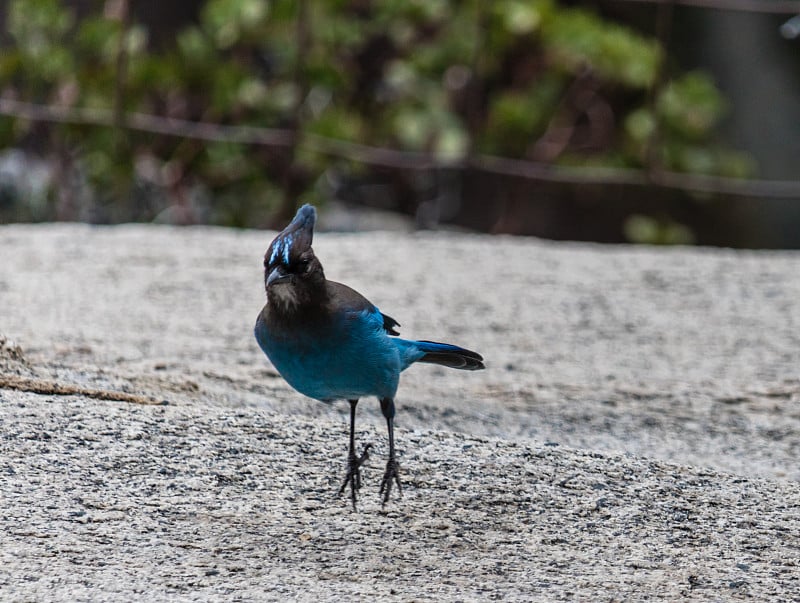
331,343
352,357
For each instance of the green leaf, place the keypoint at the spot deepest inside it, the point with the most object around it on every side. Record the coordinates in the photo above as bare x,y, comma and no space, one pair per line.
647,230
691,105
575,38
227,21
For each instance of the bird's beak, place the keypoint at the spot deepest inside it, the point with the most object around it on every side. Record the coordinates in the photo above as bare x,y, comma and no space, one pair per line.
278,275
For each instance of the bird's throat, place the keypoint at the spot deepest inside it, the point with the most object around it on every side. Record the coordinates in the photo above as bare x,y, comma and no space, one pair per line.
283,298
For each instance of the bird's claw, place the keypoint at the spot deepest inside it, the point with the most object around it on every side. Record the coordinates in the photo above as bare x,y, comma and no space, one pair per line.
353,476
391,474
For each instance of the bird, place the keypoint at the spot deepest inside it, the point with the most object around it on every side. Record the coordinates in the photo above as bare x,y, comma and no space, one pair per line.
330,343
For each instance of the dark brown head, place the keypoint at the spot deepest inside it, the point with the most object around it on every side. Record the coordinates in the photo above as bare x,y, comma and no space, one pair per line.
292,273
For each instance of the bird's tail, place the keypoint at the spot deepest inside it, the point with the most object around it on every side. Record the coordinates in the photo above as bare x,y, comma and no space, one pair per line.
449,355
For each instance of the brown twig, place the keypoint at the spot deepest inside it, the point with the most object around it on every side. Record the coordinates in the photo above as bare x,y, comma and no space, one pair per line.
303,41
664,17
41,386
120,76
378,156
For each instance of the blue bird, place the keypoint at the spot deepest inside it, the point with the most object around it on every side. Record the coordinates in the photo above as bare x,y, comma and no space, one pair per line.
330,343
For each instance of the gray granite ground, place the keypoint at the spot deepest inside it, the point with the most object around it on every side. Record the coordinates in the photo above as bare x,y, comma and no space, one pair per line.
635,436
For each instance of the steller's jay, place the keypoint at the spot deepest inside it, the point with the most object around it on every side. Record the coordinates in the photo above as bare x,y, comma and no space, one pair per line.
330,343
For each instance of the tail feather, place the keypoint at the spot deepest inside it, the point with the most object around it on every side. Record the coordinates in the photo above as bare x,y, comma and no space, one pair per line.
449,355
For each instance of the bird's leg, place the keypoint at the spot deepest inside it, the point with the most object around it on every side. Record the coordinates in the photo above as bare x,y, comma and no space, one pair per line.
392,472
354,462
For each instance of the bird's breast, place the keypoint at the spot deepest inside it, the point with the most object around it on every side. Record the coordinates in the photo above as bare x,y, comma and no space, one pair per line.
339,360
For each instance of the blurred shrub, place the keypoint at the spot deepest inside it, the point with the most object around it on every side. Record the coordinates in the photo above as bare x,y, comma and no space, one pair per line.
652,231
517,78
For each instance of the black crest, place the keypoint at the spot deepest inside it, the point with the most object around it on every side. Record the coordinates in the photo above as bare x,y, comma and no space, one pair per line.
294,239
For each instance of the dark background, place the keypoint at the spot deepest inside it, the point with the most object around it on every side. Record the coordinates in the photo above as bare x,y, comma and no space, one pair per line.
756,124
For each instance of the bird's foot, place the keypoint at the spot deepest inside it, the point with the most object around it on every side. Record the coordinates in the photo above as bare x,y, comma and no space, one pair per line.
353,476
392,474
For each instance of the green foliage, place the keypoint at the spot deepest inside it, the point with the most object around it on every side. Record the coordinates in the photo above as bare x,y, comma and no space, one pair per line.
688,110
435,76
230,22
519,117
648,230
576,39
691,106
38,29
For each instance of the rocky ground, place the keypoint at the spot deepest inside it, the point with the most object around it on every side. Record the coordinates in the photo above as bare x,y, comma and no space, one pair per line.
634,437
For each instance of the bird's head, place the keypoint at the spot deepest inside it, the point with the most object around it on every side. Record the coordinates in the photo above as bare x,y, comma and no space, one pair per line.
292,273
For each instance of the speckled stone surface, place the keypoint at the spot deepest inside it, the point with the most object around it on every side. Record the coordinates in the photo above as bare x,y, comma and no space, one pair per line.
635,436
